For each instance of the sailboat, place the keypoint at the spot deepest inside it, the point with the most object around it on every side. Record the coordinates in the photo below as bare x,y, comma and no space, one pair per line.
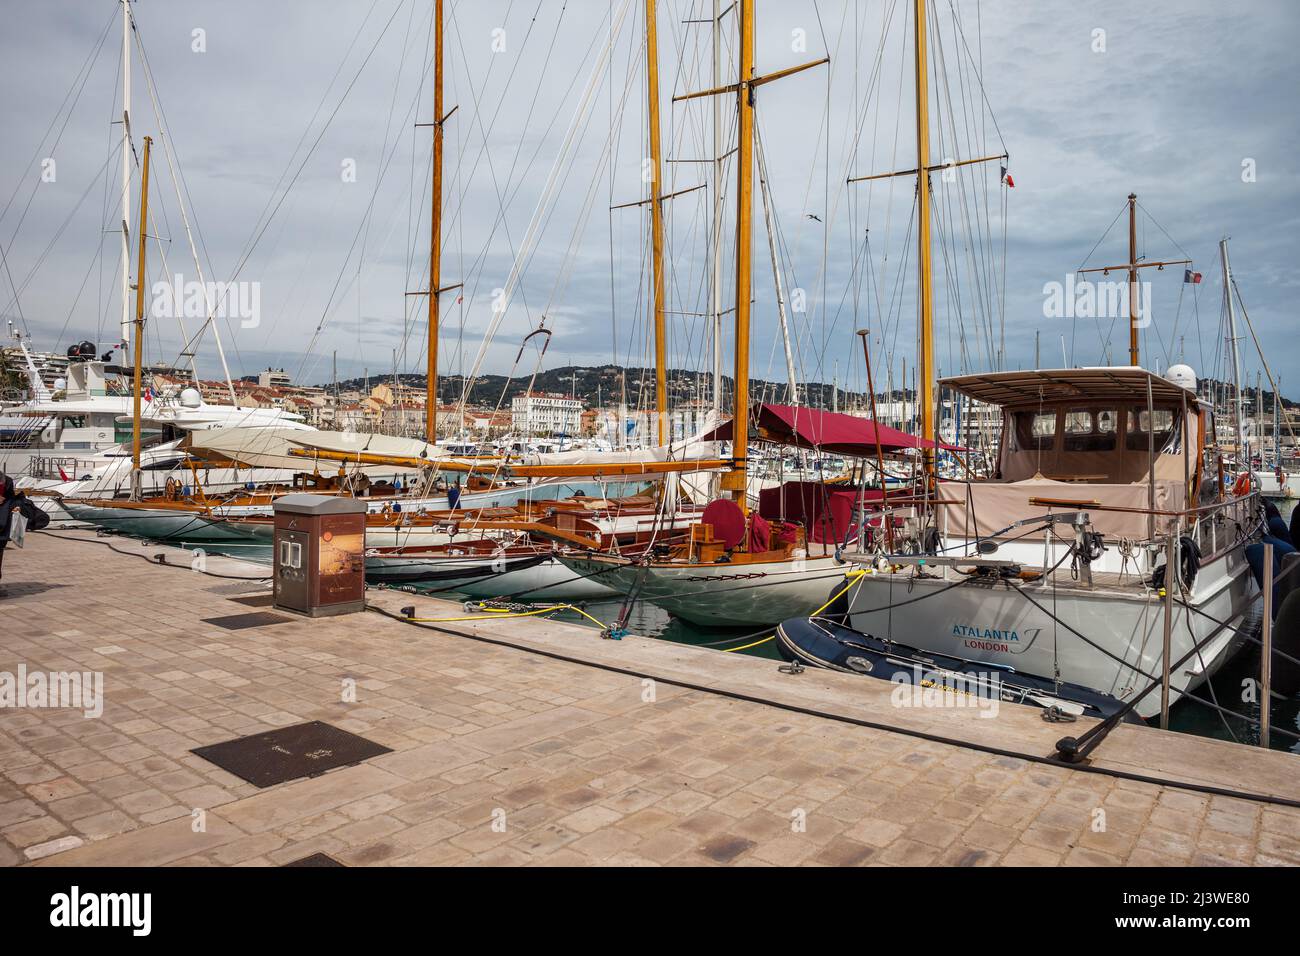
1101,552
739,567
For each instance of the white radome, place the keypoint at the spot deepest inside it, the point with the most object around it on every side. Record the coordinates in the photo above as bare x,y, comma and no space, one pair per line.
1182,375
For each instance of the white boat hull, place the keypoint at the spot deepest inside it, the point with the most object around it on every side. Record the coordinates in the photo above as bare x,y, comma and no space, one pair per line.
722,595
1123,627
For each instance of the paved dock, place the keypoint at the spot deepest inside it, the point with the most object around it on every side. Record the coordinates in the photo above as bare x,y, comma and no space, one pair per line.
505,754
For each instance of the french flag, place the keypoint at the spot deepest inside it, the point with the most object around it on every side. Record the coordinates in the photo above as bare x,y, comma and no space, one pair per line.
1190,276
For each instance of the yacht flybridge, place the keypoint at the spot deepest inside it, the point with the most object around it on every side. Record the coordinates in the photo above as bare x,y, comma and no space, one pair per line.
1056,566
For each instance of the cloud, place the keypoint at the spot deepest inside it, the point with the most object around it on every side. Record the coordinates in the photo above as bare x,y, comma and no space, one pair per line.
1183,94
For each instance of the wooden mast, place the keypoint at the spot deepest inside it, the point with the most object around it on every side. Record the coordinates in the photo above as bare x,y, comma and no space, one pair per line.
1132,267
1133,351
656,222
925,373
435,238
140,279
736,480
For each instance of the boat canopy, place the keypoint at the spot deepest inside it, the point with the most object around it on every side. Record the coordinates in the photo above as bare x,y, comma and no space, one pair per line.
1126,383
826,431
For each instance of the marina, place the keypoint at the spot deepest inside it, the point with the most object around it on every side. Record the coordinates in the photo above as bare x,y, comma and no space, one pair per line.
655,435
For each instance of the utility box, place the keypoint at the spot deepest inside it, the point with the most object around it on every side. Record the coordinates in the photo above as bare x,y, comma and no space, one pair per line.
320,554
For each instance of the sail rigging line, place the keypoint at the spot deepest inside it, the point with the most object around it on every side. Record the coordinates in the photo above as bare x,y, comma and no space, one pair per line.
504,200
75,90
49,246
164,135
515,183
274,204
357,237
512,191
989,263
533,232
976,269
368,218
416,218
1074,322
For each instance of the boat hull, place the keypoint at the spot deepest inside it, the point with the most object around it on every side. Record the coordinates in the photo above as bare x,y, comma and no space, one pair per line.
1036,630
721,595
158,524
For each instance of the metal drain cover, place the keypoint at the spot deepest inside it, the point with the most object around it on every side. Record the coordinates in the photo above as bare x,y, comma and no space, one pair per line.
303,750
237,622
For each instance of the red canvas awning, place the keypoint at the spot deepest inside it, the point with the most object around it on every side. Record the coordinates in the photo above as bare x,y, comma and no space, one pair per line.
827,431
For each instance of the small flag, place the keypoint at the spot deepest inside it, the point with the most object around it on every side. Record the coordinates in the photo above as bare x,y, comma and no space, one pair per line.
148,393
64,475
1006,178
1190,276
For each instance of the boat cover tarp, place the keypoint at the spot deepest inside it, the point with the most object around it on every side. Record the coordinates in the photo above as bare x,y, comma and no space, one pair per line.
981,508
825,431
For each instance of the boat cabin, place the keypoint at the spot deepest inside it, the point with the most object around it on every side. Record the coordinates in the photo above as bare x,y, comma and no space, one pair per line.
1117,437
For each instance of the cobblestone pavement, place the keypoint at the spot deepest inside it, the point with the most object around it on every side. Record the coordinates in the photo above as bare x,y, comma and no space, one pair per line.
501,756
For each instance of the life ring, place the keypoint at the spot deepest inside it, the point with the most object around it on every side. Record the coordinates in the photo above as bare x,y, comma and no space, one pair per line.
1243,485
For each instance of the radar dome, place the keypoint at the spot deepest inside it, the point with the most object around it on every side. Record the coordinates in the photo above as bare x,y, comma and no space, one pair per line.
190,398
1182,375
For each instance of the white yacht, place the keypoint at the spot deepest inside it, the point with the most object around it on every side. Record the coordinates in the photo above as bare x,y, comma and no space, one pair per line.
1046,568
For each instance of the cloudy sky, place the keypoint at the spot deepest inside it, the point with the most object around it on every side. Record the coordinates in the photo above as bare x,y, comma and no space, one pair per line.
291,130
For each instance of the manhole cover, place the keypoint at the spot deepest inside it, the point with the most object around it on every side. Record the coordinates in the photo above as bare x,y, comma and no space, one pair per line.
304,750
316,859
237,622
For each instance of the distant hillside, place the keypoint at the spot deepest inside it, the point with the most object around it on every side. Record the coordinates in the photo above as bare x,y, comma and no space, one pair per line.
605,384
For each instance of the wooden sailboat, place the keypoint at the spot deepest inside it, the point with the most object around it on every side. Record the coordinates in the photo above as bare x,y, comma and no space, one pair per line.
736,569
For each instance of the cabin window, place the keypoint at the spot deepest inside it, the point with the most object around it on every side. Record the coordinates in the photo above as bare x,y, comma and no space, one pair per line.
1140,422
1036,430
1088,429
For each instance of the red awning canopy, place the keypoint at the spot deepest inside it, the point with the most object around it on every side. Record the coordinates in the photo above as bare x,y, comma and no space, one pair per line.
826,431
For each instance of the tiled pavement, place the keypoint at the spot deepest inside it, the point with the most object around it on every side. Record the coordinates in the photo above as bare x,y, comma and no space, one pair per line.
502,756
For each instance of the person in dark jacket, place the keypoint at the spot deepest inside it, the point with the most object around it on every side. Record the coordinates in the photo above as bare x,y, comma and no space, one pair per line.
12,500
8,502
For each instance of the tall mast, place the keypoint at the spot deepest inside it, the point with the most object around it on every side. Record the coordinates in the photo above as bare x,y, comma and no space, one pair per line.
718,161
1242,451
1134,354
140,279
1132,267
435,237
925,373
126,171
656,221
736,480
